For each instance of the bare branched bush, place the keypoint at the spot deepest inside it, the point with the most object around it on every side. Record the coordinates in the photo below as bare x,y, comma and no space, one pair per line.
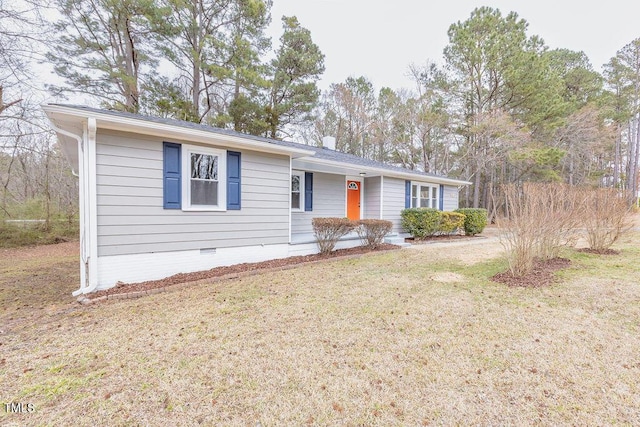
606,217
560,207
372,231
518,235
329,230
542,218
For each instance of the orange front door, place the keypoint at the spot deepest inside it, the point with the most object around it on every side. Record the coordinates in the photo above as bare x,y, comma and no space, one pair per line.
353,200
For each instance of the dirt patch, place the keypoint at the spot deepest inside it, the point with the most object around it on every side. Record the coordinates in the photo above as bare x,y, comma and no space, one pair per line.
541,275
39,252
233,270
447,277
599,252
465,251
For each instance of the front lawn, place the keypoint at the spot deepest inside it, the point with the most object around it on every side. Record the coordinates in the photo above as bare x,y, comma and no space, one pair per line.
410,337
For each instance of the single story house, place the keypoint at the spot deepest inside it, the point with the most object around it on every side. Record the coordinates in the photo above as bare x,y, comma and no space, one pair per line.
160,197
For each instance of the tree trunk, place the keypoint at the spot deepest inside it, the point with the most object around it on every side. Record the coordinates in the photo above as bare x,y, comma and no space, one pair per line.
476,188
636,159
131,69
617,158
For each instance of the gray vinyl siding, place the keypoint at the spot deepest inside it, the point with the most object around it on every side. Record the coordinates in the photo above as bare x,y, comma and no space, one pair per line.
131,217
393,201
450,202
329,200
372,198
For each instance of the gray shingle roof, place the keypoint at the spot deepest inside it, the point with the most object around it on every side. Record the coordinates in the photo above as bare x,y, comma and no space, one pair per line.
320,153
337,156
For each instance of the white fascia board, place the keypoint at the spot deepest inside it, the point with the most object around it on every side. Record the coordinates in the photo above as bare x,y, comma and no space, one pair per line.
168,131
373,171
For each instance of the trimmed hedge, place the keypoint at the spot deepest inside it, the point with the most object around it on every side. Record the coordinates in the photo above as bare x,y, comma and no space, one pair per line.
329,230
475,220
421,222
451,222
372,231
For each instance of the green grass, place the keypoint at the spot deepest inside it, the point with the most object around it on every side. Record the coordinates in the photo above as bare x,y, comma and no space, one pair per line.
12,236
411,337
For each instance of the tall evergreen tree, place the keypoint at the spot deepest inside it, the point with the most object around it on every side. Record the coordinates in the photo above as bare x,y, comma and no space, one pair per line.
498,69
215,46
623,79
296,69
100,49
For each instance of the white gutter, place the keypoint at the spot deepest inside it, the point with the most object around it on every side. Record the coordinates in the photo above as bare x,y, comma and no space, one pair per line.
69,135
81,206
179,133
387,172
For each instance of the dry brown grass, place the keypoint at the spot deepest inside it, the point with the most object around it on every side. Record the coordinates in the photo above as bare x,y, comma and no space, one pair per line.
412,337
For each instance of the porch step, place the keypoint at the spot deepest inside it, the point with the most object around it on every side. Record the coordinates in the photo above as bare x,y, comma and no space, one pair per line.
396,240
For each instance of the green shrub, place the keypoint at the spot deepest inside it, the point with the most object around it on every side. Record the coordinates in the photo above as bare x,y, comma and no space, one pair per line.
475,220
372,231
329,230
421,222
451,222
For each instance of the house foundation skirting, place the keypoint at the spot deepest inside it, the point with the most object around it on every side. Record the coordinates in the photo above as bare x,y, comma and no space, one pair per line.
136,268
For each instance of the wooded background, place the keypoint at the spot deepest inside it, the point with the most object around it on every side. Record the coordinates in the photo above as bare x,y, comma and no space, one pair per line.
500,108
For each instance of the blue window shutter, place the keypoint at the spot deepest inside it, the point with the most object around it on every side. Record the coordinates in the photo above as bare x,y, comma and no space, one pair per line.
233,180
172,182
407,194
308,191
441,197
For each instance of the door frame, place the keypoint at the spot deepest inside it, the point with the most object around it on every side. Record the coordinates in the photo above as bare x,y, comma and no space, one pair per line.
360,180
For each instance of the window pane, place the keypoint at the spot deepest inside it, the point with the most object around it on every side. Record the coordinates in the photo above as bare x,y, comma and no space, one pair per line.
424,197
434,192
414,191
295,183
414,202
204,193
295,200
204,166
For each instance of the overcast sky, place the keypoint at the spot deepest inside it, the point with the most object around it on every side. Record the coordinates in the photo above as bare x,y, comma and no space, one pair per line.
380,38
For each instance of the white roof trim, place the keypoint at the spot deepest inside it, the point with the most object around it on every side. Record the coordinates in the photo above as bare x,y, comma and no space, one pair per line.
388,172
64,116
164,130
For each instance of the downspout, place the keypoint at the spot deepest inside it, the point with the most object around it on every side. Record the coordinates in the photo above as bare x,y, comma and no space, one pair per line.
91,195
84,264
84,220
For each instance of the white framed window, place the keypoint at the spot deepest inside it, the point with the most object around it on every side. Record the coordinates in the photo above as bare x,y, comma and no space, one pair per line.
424,195
297,191
204,172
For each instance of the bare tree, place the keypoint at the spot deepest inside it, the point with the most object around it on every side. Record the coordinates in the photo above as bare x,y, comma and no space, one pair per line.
19,37
588,145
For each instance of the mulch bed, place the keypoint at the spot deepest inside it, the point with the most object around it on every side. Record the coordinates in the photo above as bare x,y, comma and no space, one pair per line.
599,252
232,271
443,238
541,275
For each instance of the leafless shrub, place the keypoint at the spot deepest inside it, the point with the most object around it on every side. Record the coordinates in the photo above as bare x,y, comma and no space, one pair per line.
372,231
605,217
518,235
542,218
559,207
329,230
